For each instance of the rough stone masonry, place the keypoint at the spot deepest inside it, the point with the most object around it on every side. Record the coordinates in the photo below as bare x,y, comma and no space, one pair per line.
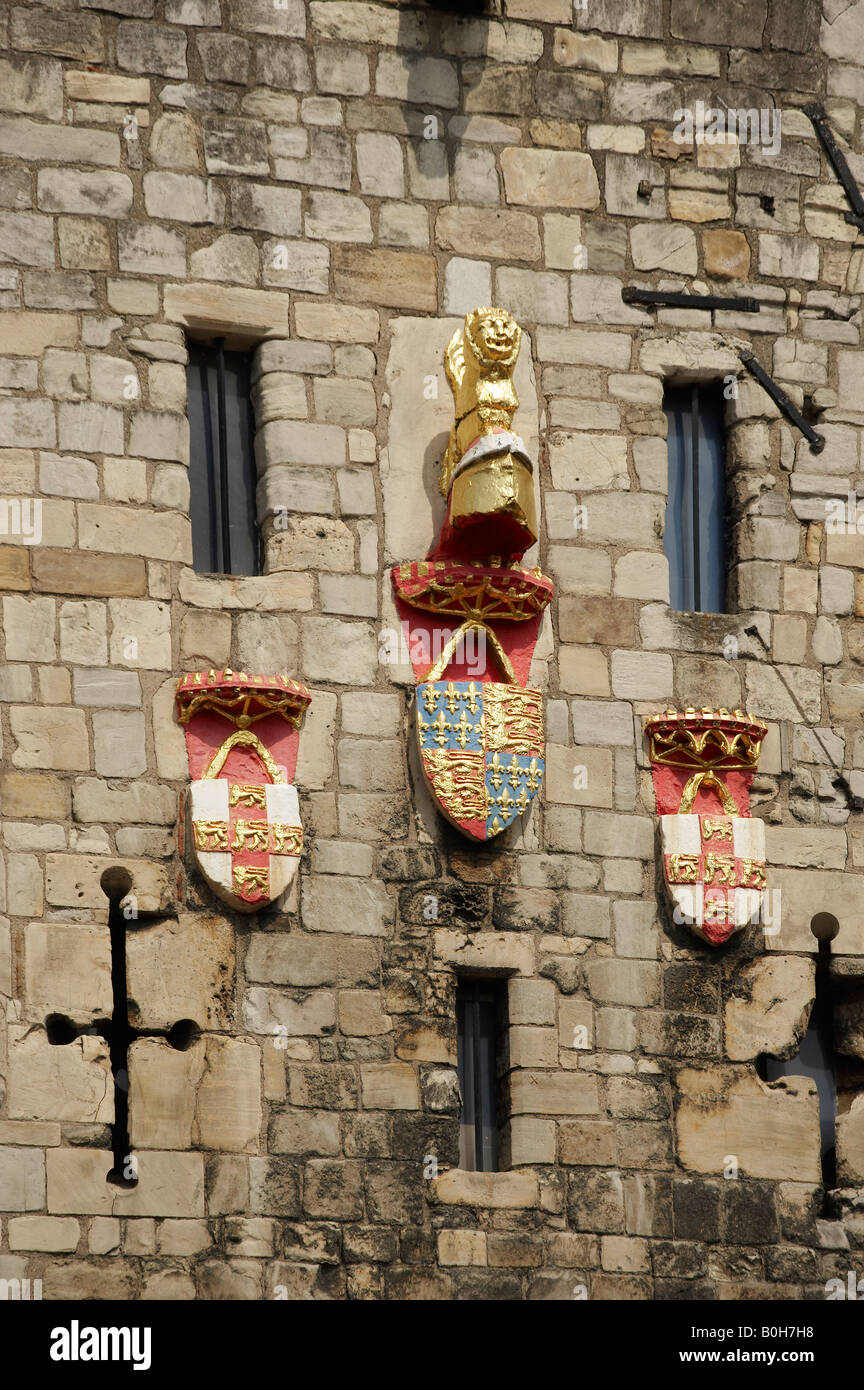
331,186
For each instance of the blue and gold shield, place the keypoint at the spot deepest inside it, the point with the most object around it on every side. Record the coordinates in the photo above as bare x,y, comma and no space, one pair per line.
481,745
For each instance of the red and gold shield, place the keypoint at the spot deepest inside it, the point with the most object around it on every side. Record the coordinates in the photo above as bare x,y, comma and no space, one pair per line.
702,764
243,813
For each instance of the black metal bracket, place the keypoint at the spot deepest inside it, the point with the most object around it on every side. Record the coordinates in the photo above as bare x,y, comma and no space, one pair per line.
780,399
631,295
816,112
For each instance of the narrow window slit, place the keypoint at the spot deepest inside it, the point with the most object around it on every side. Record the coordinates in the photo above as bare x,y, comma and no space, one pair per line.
695,532
481,1029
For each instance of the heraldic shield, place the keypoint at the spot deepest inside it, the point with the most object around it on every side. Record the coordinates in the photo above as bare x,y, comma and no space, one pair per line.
481,745
243,813
702,765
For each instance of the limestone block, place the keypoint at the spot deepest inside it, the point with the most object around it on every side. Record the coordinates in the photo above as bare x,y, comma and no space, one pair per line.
553,1093
265,209
630,982
170,1184
32,85
266,642
77,1278
771,1012
228,1116
588,462
182,969
162,1093
374,765
510,951
342,652
463,1248
361,1014
67,970
554,178
315,758
25,238
71,1083
305,1132
333,1188
850,1144
28,627
43,1233
149,47
534,1047
664,248
170,742
397,279
233,145
34,794
49,737
95,193
271,1011
389,1086
579,776
140,634
727,254
507,1191
346,905
276,958
773,1131
799,894
22,1179
183,1237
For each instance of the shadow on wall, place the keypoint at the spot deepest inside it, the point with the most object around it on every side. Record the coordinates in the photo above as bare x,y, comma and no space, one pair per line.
437,146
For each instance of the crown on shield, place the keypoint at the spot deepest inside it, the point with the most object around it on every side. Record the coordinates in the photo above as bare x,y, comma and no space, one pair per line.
241,698
691,738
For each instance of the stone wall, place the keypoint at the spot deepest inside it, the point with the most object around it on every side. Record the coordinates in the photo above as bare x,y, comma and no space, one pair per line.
331,184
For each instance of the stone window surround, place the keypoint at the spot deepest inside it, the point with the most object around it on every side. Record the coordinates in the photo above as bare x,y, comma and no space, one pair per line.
703,357
205,312
493,955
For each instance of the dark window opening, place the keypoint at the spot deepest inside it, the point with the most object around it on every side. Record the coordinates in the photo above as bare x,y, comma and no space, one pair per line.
481,1020
695,532
222,479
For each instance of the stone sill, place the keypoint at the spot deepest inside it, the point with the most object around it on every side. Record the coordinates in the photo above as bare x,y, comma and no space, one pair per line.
460,1188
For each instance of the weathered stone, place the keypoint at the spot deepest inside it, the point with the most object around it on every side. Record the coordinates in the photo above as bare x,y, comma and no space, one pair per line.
71,1083
772,1131
97,194
165,963
754,1023
401,279
554,178
182,197
151,48
60,960
50,738
727,254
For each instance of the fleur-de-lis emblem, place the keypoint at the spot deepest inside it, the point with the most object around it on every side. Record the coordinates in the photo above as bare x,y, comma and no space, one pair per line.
505,801
441,726
495,774
461,730
472,696
535,775
430,699
513,772
452,697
